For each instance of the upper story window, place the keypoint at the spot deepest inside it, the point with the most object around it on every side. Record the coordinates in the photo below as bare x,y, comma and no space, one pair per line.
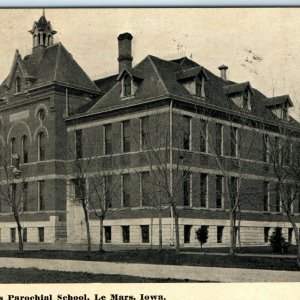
266,146
186,188
78,143
203,135
18,85
41,114
25,149
41,146
233,141
12,148
108,139
126,136
186,133
219,139
41,194
145,188
219,191
144,133
80,188
203,190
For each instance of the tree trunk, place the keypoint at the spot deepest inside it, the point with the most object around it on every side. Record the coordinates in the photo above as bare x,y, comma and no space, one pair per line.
88,233
232,238
19,227
101,235
177,242
159,231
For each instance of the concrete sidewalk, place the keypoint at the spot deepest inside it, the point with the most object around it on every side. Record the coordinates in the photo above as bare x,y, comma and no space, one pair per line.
154,271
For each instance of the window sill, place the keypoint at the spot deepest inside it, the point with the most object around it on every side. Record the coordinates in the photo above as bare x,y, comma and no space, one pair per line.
127,97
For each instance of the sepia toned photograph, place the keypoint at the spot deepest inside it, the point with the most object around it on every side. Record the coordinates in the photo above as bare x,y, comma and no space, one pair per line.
149,145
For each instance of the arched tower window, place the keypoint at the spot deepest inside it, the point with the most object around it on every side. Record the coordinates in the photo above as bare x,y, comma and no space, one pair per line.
24,149
18,85
127,85
41,146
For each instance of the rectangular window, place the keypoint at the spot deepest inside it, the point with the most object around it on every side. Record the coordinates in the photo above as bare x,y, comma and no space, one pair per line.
220,234
108,139
219,191
203,190
277,151
126,234
145,133
108,191
126,136
41,234
79,185
277,198
198,89
145,233
186,132
41,194
13,235
233,141
219,140
78,143
25,235
187,233
186,188
126,190
145,188
266,195
203,135
25,196
266,234
233,190
265,143
290,235
287,152
107,234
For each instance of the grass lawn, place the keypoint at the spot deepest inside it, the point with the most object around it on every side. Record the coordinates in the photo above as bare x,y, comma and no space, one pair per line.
166,257
10,275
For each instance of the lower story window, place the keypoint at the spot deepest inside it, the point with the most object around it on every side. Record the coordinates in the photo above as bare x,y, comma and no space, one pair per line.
107,234
41,234
187,234
25,235
266,234
145,233
220,234
13,235
126,234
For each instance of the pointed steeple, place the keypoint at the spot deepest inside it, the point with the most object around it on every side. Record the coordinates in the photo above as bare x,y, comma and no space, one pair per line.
42,32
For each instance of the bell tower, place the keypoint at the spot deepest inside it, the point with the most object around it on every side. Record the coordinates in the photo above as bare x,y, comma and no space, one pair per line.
42,32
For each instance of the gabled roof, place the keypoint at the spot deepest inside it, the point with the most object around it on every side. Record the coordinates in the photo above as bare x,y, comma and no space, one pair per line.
135,73
17,61
238,87
53,64
278,100
191,73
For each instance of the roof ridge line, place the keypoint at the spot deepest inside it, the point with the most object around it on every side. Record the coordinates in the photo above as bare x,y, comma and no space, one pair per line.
56,61
158,75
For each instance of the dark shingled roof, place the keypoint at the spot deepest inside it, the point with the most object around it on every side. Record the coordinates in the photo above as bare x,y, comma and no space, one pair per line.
56,64
160,80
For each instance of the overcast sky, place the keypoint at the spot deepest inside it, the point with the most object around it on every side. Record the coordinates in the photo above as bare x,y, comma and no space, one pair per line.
259,45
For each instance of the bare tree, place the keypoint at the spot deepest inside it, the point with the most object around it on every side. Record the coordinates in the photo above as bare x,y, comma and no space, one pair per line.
13,186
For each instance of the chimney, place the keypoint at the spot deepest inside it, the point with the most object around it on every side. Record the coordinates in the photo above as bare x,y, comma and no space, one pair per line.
125,58
223,69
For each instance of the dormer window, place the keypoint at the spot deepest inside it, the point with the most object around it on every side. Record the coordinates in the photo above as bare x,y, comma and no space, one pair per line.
18,85
240,94
130,80
193,80
280,106
127,85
